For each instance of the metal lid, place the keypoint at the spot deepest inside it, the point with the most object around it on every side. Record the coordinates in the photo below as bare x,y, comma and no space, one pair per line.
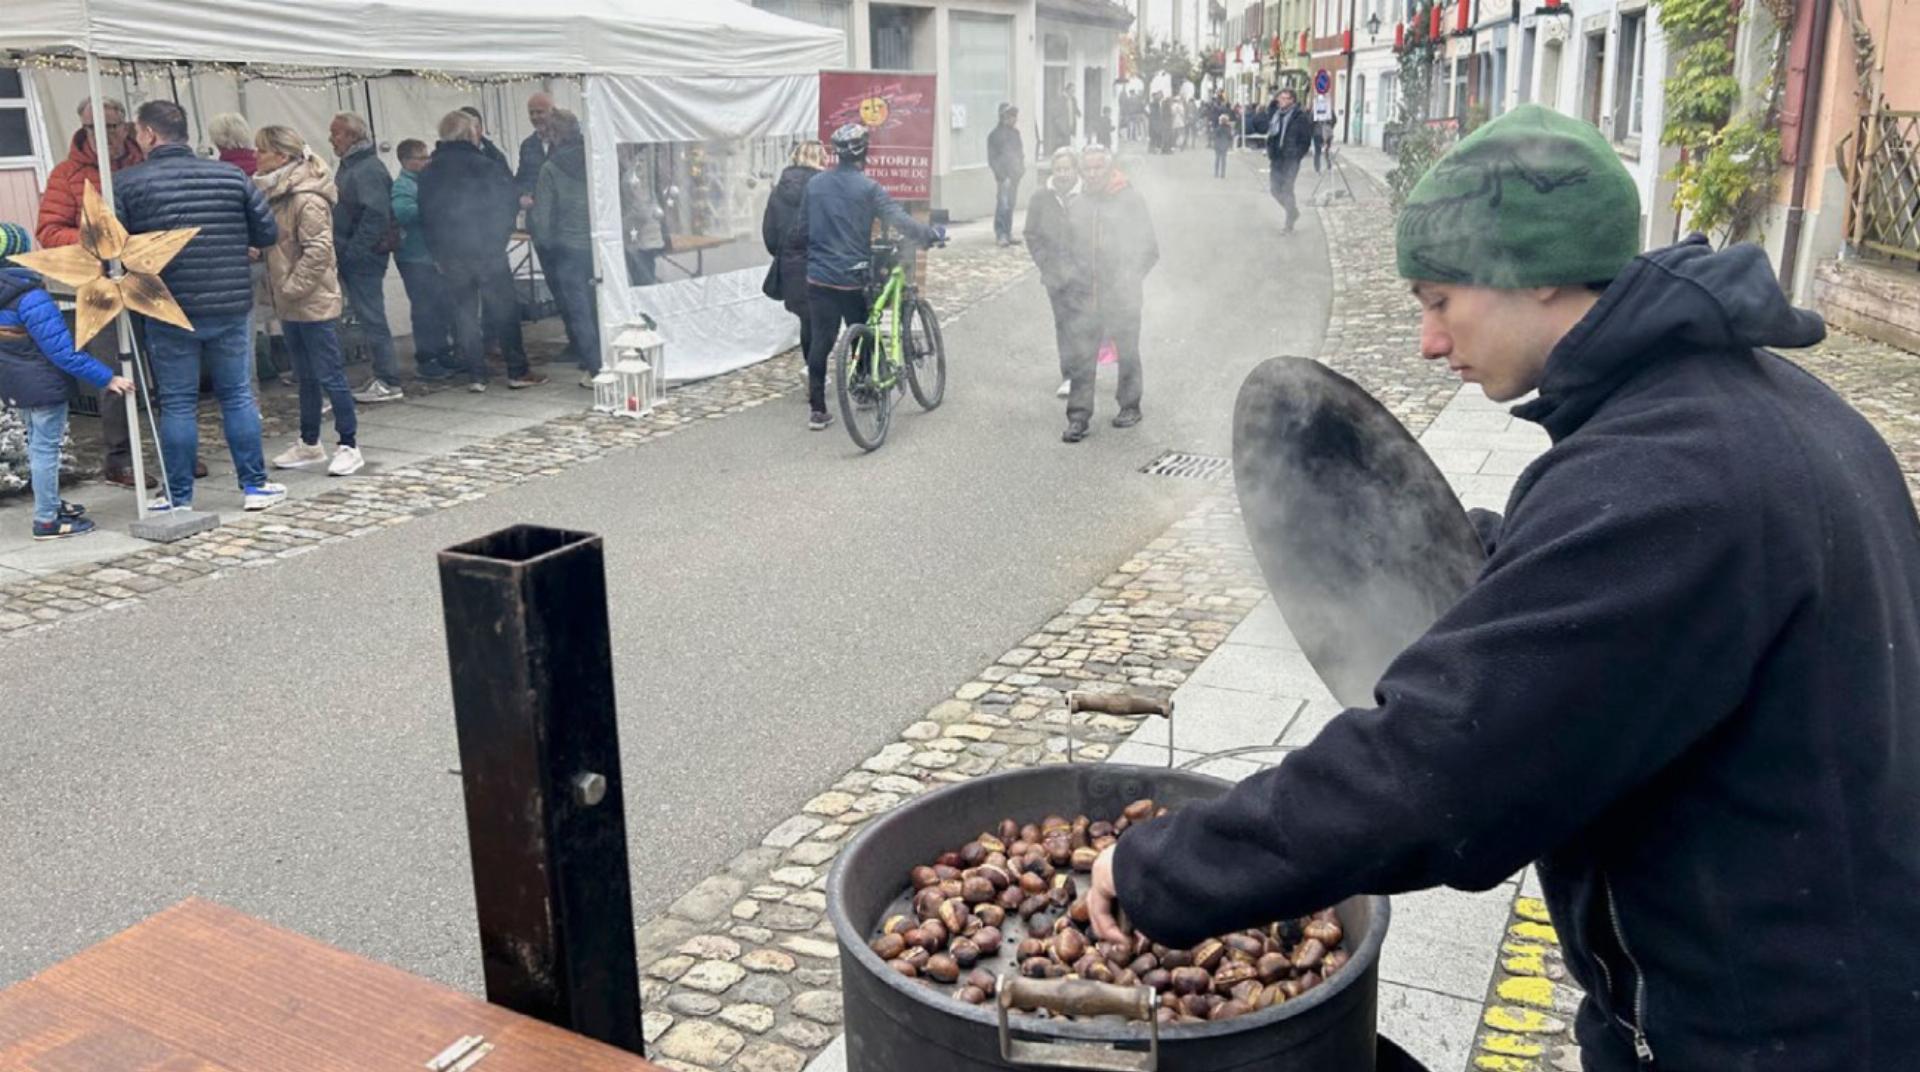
1361,540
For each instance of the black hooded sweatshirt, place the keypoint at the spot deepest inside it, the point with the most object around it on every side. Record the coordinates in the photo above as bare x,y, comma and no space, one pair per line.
1687,684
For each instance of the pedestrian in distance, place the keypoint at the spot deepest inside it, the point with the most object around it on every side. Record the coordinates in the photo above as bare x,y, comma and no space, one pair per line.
232,139
58,224
1322,129
559,220
1289,137
433,350
467,209
1222,144
1050,243
841,207
535,149
1113,249
364,236
304,284
1692,653
212,281
1101,128
37,358
1007,157
783,230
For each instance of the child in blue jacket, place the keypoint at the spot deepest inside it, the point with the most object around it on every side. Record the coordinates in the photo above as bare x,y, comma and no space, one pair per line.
36,358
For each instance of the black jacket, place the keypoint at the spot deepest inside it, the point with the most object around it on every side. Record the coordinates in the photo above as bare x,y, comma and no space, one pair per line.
1687,683
1289,133
1006,153
176,188
467,203
364,212
784,231
1050,239
841,205
533,157
1112,245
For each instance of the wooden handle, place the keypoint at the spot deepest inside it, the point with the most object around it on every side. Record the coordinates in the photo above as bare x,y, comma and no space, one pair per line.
1118,703
1077,997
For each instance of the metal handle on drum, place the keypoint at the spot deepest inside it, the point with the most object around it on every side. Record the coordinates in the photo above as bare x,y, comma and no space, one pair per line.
1078,997
1118,703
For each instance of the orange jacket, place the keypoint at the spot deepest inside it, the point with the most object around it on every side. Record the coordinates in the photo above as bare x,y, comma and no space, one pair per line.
59,223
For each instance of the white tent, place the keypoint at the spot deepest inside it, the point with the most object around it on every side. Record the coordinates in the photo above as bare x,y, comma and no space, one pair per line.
650,71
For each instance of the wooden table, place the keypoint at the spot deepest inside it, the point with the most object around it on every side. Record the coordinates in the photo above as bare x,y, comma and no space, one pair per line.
698,245
203,988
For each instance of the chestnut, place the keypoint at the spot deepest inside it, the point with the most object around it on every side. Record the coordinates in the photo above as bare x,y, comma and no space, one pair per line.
933,936
896,925
1308,954
923,877
1032,906
1273,967
1059,849
926,903
983,980
1010,898
1009,830
1173,958
1209,954
972,995
1229,1009
1158,978
1191,981
941,968
1241,943
1029,948
1141,964
1099,971
1054,823
991,914
950,861
1032,884
904,967
987,940
954,915
991,843
996,878
1274,994
1138,810
1336,960
915,955
1034,967
949,888
1326,933
1082,859
1080,912
1196,1006
973,854
1247,991
1100,829
1070,945
964,952
1309,981
888,946
1232,975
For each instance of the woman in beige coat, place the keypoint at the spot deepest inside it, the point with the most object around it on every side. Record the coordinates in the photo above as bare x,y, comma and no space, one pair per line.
303,283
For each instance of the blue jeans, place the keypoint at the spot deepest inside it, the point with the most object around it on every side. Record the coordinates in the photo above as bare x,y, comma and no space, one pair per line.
367,298
432,321
317,364
570,274
46,427
224,344
1005,192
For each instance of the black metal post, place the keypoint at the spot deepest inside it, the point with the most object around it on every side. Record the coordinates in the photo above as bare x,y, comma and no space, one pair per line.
526,619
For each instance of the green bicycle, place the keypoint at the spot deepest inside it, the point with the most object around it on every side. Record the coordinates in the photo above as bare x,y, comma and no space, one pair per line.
899,344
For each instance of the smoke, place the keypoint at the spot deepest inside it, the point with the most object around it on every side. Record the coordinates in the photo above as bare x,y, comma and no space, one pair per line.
1358,535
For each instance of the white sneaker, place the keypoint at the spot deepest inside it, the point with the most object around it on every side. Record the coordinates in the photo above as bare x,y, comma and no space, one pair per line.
1066,388
300,455
265,497
346,462
477,388
378,390
586,380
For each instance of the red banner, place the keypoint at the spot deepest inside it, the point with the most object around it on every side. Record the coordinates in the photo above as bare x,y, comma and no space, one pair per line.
898,112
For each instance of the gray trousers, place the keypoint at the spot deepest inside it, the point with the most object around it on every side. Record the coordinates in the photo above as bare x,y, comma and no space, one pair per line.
118,439
1121,323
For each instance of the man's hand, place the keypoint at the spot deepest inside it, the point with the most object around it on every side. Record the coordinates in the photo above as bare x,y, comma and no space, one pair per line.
119,385
526,200
253,253
1103,901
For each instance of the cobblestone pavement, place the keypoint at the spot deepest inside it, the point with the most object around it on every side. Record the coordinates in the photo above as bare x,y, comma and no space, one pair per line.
957,278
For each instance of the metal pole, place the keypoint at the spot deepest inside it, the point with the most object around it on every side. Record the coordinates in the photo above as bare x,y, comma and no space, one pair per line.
533,702
103,151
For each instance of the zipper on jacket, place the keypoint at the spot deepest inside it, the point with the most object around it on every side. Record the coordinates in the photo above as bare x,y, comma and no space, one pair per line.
1641,1050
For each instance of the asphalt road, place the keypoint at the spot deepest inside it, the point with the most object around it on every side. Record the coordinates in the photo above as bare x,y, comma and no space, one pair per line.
282,739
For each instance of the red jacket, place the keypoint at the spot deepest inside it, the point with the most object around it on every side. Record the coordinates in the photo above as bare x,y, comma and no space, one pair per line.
59,223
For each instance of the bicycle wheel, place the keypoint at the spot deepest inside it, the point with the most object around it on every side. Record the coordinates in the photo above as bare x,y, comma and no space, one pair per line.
926,355
864,404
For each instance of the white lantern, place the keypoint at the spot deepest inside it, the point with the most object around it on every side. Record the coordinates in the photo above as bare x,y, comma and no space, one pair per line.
642,345
606,392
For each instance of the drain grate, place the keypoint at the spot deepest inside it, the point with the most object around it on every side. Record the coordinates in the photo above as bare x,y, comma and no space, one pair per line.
1191,466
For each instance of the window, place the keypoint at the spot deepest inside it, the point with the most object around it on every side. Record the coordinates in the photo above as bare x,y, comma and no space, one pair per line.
1630,77
1528,42
1592,99
982,78
16,131
892,38
833,14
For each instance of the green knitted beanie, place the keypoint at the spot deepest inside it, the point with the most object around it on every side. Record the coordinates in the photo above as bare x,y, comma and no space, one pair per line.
1532,199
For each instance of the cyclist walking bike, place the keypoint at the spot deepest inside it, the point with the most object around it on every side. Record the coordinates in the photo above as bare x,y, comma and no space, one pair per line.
841,206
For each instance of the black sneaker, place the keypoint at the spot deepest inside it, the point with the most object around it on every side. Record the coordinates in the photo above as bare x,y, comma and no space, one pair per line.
1075,432
819,421
1126,418
70,511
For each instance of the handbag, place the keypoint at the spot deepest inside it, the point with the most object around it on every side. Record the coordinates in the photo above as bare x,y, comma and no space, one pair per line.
770,286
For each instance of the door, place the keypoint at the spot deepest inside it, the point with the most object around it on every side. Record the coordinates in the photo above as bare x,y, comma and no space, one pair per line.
1550,75
1051,105
1359,113
1093,88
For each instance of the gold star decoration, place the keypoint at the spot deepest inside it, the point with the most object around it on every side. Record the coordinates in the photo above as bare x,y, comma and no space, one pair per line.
101,289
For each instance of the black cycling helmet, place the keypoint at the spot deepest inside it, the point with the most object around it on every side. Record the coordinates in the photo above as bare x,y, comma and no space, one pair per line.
850,142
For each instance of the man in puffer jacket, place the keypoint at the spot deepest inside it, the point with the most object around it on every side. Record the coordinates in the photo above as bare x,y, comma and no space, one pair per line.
212,279
362,228
1692,657
59,225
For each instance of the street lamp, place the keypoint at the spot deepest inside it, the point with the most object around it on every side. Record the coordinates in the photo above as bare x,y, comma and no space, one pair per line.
1373,27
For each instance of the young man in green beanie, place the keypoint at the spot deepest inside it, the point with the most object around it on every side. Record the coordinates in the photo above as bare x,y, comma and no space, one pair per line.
1686,685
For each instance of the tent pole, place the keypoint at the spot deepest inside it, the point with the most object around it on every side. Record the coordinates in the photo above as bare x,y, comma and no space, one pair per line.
103,150
593,245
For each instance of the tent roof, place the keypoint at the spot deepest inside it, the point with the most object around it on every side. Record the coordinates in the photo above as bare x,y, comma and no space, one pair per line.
726,38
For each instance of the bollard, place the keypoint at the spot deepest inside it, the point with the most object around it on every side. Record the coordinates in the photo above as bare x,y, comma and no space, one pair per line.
533,703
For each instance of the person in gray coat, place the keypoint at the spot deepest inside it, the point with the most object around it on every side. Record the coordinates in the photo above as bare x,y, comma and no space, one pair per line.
560,226
364,237
1050,242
